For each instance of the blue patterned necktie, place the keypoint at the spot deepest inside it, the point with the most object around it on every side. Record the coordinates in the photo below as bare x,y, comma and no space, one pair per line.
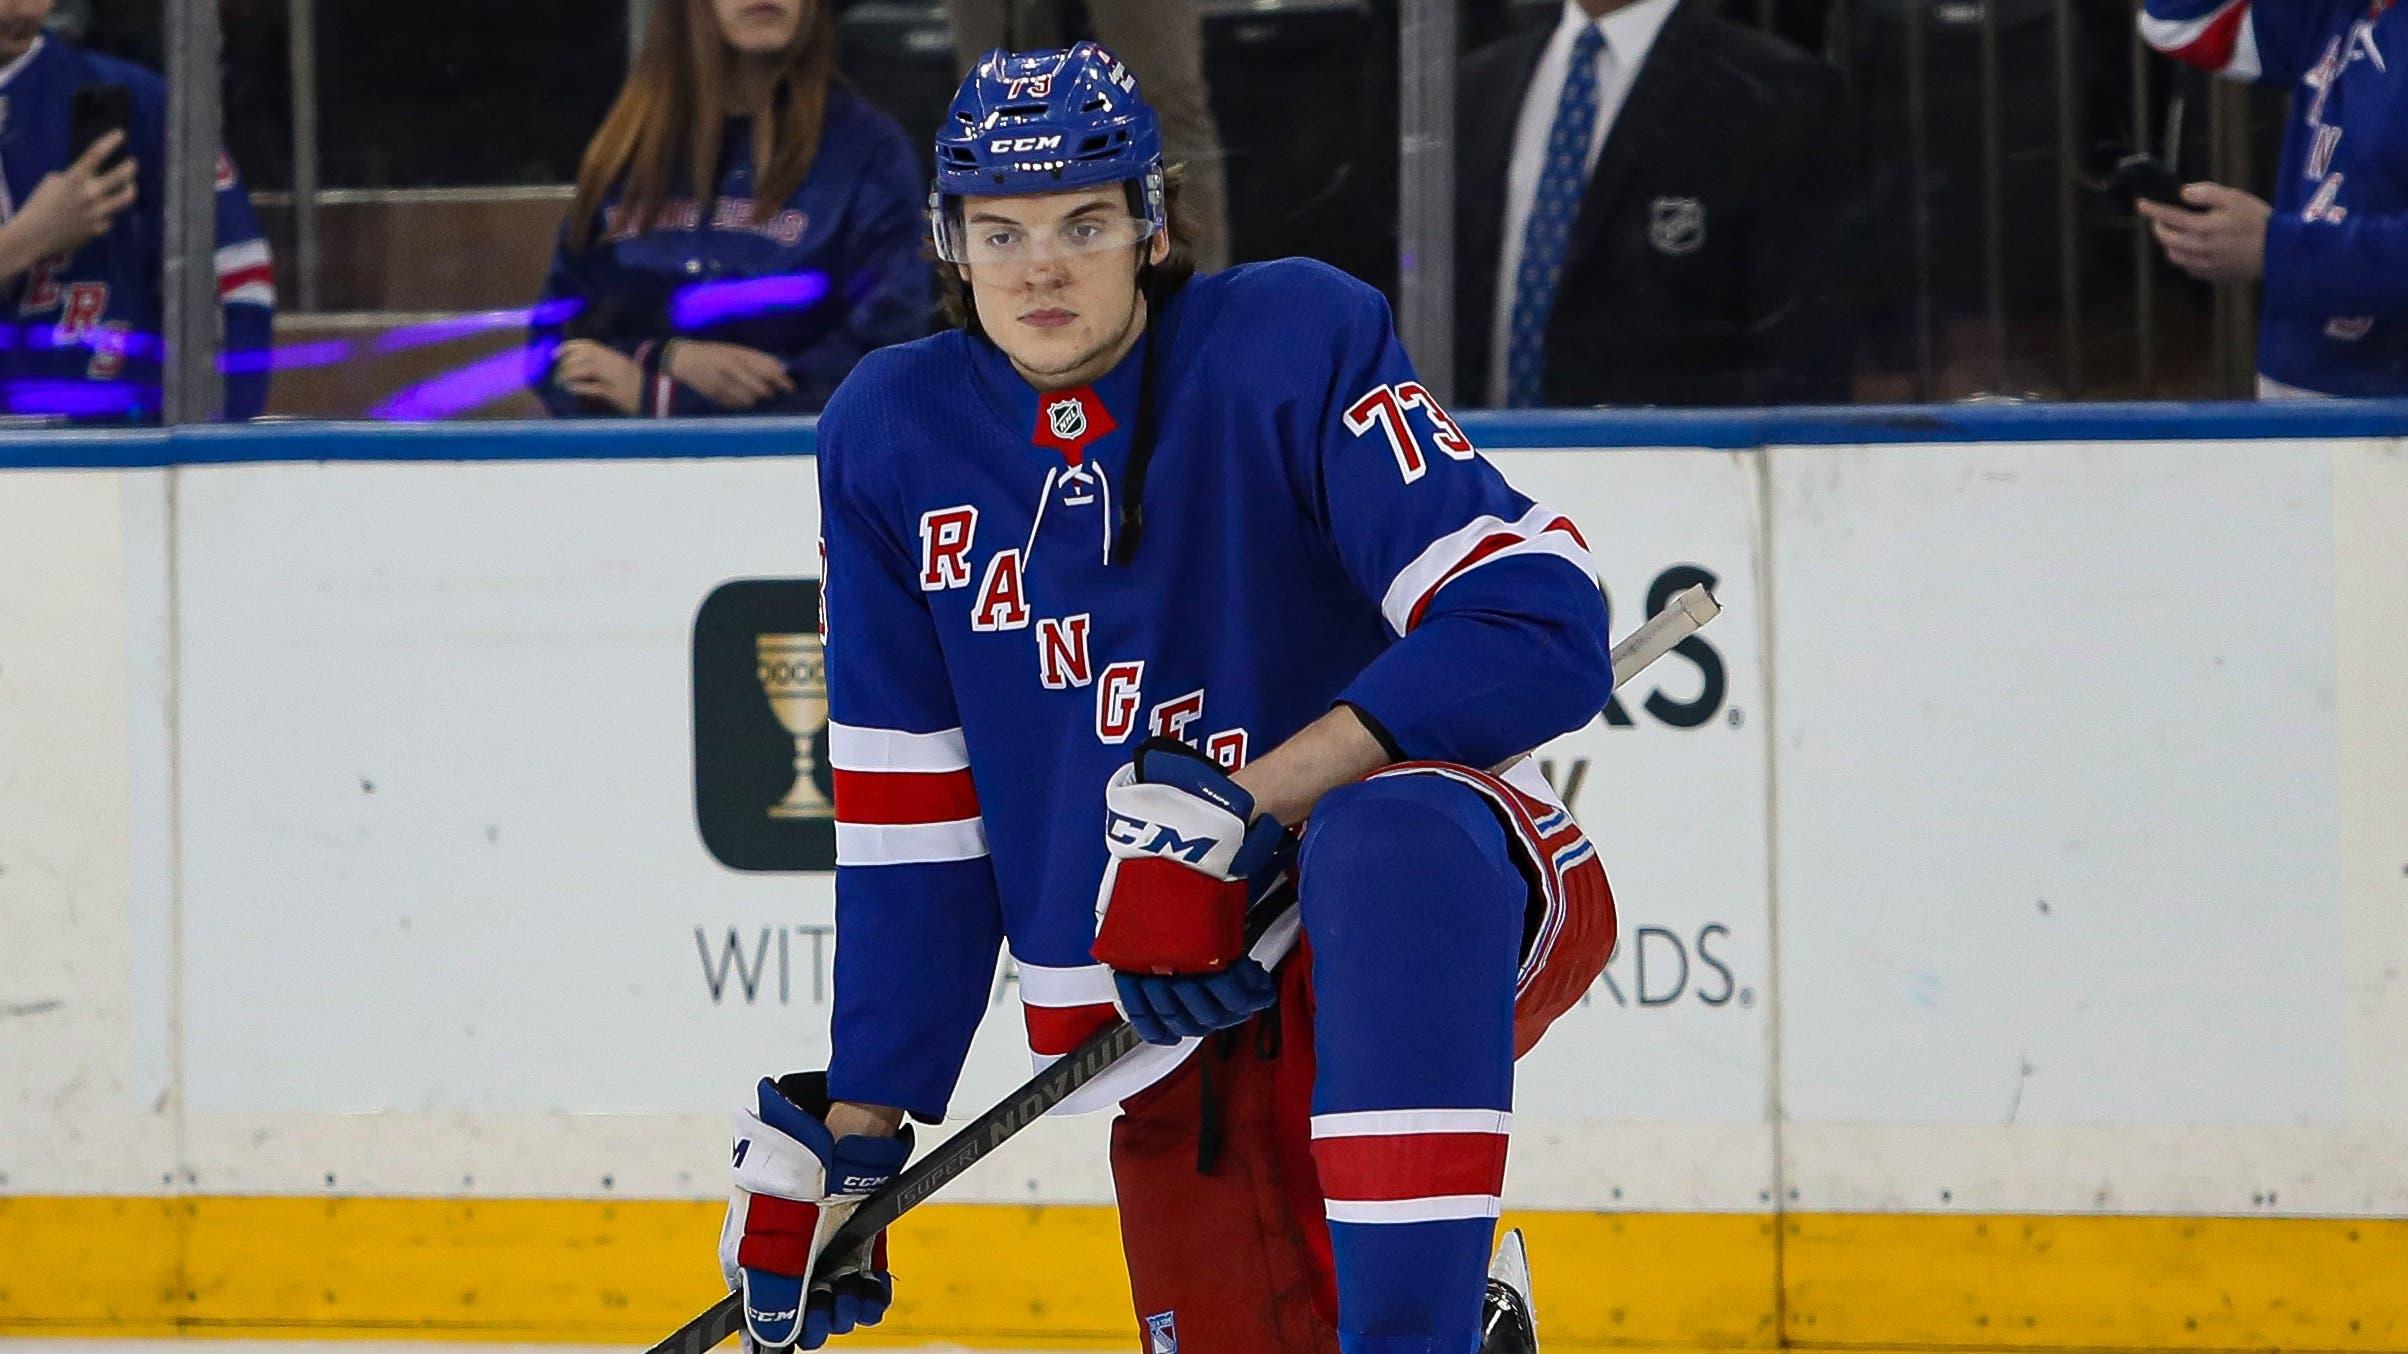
1549,229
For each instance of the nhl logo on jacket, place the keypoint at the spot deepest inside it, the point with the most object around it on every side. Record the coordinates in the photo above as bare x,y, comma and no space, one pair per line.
1676,225
1162,1333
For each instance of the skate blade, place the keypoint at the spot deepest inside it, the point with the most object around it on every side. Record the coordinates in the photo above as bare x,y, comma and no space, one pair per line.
1511,1267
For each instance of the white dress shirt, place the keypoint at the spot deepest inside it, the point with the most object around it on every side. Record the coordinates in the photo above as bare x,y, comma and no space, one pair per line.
1628,32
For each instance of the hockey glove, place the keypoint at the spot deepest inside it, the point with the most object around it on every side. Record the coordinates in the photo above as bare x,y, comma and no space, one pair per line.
1171,914
795,1185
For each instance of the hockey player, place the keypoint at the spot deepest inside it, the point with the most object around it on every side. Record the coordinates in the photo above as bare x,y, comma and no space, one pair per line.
84,300
2333,245
1127,580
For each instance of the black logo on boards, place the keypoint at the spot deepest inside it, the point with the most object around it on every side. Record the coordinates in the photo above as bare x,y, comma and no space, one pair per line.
762,795
1715,683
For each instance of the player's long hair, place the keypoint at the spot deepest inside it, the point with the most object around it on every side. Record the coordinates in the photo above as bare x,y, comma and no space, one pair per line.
668,117
1156,280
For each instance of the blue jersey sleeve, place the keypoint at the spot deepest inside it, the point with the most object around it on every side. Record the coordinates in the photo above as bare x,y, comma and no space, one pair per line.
2238,39
2354,266
246,287
569,289
1500,624
885,284
918,923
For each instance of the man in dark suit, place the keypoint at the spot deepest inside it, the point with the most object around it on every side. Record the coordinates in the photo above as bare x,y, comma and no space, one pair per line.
1661,213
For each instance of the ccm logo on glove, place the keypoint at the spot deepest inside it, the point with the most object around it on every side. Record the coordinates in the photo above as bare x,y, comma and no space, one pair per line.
1124,830
1183,841
795,1184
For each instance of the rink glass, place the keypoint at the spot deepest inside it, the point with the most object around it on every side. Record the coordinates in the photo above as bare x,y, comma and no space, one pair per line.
413,204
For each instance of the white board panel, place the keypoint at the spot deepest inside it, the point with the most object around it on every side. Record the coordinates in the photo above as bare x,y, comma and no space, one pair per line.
444,884
2370,584
2056,812
440,842
74,1112
1671,785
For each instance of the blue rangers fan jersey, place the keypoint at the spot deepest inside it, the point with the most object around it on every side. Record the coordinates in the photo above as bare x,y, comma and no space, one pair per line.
2337,248
833,273
84,332
1316,530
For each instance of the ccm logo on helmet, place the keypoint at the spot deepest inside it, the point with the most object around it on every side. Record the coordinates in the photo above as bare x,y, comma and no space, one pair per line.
1013,145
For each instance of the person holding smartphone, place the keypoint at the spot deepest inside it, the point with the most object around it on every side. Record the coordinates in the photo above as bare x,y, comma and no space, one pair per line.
83,169
2332,246
745,227
69,209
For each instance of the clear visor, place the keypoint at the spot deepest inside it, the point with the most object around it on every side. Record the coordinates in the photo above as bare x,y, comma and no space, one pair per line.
965,239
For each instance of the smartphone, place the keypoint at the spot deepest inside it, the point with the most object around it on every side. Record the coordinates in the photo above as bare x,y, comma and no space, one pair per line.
2144,177
97,111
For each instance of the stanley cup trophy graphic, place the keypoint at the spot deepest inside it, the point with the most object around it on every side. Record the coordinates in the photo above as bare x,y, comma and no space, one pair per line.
794,672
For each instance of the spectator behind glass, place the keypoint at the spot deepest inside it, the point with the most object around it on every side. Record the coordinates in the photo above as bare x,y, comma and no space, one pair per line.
2333,245
752,285
81,238
1163,39
1653,206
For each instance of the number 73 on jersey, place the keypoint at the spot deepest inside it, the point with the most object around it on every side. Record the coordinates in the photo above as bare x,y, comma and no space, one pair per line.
1384,408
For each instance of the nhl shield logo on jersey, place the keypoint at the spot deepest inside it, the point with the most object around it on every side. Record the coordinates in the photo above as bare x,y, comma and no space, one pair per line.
1162,1333
1676,225
1068,418
1069,421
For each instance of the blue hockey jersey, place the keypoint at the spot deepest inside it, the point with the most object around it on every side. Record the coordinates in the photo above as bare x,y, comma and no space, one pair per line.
1316,529
834,273
84,337
2336,317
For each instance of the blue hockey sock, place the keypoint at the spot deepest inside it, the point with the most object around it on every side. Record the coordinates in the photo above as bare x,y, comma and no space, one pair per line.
1414,909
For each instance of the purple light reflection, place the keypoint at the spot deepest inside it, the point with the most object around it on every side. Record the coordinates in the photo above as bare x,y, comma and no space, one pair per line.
485,322
331,352
464,389
76,399
43,338
711,303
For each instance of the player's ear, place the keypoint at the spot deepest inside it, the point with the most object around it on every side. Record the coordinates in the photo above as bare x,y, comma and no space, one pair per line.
1158,247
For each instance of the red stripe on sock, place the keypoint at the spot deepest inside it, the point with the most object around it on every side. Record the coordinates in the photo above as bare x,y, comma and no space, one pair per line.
1410,1165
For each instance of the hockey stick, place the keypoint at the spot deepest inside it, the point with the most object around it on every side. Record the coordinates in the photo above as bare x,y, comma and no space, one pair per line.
1680,618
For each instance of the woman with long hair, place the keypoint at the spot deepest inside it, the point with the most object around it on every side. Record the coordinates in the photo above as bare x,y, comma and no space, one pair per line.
745,227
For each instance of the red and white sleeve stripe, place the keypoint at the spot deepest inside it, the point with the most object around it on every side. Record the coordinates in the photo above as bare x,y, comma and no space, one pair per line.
903,798
1393,1166
246,276
2223,41
1064,1005
1483,540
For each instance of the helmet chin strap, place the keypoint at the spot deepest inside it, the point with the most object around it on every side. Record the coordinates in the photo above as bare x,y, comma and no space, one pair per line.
1141,438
